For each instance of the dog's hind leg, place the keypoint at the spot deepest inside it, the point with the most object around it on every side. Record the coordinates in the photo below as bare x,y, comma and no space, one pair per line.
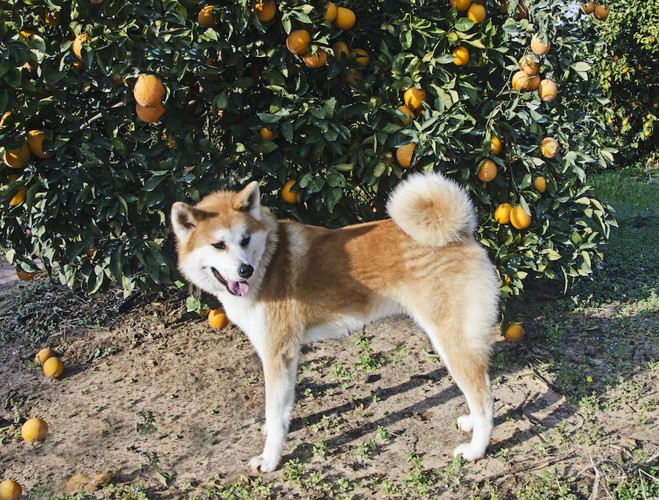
467,361
279,370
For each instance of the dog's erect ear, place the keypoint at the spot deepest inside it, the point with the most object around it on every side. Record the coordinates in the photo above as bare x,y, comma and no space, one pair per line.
184,220
248,200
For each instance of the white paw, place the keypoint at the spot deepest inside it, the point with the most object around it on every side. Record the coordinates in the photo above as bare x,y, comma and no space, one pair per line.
466,423
262,464
468,452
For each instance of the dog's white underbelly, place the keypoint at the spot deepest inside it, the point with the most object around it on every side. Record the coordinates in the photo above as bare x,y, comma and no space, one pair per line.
346,324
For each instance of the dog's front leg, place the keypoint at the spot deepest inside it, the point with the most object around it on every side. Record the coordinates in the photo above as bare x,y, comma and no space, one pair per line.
280,371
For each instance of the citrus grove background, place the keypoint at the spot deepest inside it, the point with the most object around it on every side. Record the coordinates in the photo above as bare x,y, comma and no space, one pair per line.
328,106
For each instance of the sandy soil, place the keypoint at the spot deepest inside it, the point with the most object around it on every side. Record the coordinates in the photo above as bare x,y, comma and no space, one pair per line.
158,397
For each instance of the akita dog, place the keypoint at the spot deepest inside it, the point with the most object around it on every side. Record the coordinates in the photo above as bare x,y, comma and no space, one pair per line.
285,284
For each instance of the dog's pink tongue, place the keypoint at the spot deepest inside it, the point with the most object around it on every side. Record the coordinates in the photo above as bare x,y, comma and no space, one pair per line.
238,288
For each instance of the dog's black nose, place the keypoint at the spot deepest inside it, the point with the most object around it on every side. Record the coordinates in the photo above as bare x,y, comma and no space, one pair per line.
245,271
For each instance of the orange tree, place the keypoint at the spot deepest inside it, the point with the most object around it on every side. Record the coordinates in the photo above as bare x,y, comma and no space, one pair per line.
628,67
314,101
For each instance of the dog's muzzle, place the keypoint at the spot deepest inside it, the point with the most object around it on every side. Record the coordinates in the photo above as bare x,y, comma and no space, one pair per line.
237,288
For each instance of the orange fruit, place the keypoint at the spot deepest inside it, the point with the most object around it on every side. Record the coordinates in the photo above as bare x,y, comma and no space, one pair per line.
298,42
217,318
460,5
522,11
601,12
549,147
362,58
17,158
547,90
588,7
265,11
519,218
51,18
286,192
76,48
409,115
354,76
520,81
341,50
53,367
414,98
502,213
206,19
34,429
529,66
43,355
266,134
460,55
90,252
18,198
514,332
35,143
149,114
10,490
487,170
534,83
148,90
538,47
476,12
345,18
625,122
496,146
24,276
330,11
315,60
404,154
540,184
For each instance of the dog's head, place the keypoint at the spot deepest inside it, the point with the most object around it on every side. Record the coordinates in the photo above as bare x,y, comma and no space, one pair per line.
221,240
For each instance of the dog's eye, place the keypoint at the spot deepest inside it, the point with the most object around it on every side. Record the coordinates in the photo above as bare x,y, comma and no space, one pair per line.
245,241
220,245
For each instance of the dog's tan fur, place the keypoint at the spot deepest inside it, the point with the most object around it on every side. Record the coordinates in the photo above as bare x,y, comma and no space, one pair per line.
312,283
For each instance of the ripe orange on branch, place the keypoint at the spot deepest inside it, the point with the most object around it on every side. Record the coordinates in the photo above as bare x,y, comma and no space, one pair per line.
206,18
460,55
345,18
460,5
496,145
520,81
601,12
476,12
487,170
539,47
76,48
298,42
404,155
502,213
409,115
148,90
519,218
35,140
330,11
17,158
547,90
149,114
529,66
315,60
287,194
265,11
549,147
414,98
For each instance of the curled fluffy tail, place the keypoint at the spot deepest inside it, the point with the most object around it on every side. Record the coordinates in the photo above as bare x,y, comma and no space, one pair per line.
432,209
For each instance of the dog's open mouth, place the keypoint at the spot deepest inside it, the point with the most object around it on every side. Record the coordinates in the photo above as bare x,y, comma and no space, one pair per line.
238,288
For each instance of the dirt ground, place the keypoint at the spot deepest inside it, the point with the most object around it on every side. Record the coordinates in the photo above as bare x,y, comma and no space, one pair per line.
160,399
